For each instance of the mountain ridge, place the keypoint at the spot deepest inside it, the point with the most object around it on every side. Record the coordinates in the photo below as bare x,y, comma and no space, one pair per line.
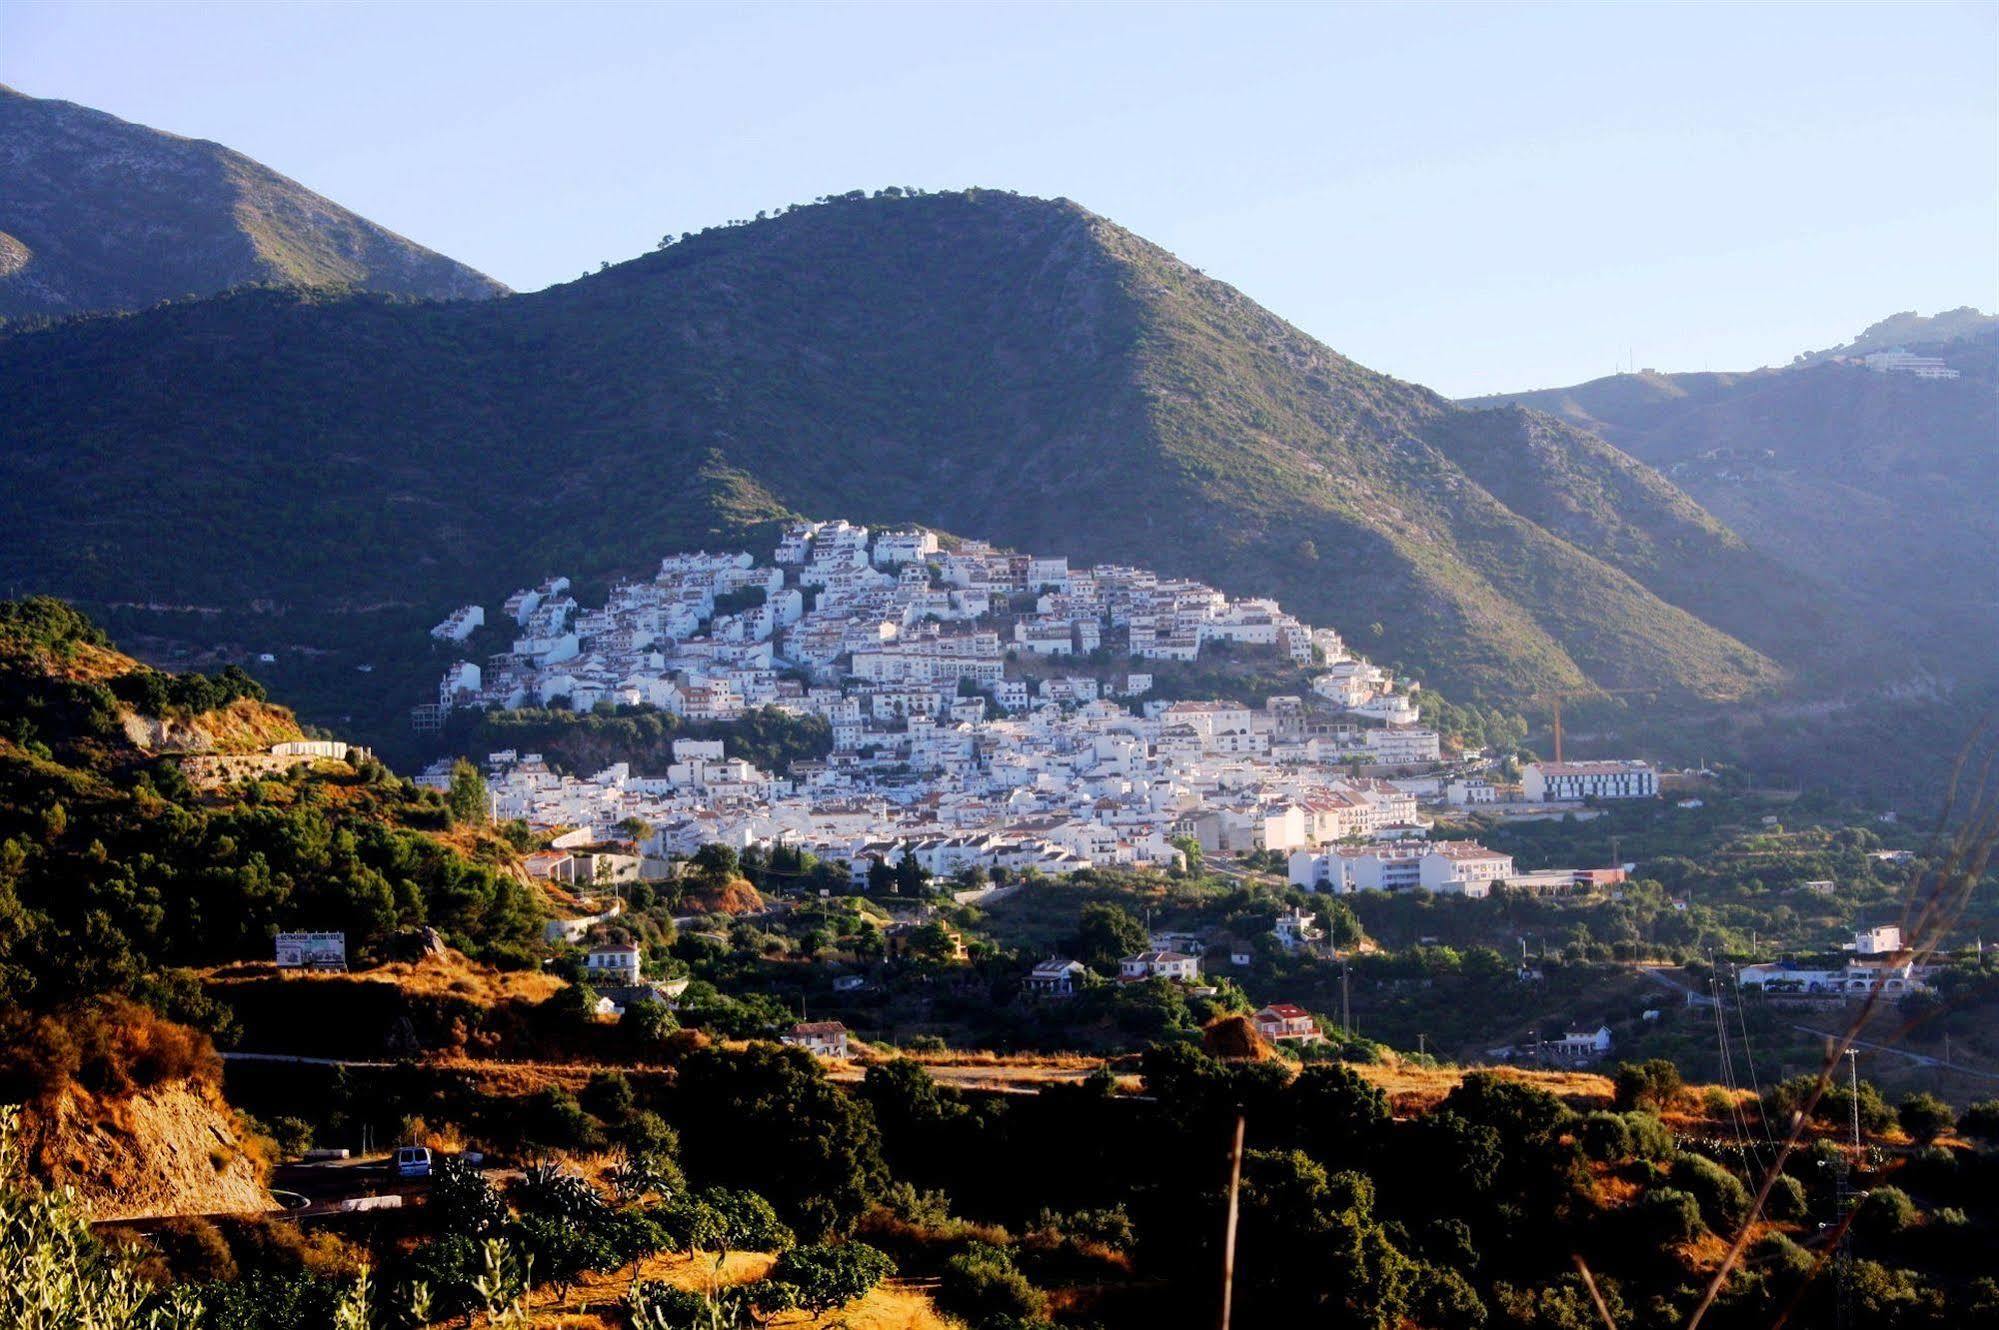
1823,465
1015,369
100,215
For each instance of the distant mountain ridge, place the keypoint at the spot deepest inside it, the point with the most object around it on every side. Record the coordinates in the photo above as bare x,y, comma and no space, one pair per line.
101,215
1909,328
1879,484
1003,367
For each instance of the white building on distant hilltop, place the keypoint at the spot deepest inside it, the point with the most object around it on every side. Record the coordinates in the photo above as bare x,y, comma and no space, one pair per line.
1900,361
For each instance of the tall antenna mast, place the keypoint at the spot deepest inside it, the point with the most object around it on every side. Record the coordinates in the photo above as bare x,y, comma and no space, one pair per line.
1843,1293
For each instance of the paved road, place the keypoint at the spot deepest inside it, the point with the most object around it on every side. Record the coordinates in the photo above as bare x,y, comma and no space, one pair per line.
299,1059
1921,1059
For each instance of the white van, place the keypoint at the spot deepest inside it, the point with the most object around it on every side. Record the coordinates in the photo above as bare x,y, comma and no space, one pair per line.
412,1161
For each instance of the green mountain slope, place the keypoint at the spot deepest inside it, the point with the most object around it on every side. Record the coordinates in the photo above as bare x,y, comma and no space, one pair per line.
1880,484
99,214
1000,367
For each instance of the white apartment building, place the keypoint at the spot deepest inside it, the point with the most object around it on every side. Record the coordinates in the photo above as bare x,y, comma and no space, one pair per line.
1573,782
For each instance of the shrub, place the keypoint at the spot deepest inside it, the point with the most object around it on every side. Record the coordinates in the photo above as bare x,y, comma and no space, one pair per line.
1925,1117
1836,1105
1722,1197
1884,1212
608,1097
1650,1137
1445,1297
1981,1120
1519,1112
110,1046
1786,1200
1669,1216
1605,1137
1654,1083
981,1287
195,1250
553,1118
654,1303
463,1202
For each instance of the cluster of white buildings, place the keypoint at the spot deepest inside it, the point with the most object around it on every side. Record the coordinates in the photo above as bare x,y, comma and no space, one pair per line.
709,635
942,748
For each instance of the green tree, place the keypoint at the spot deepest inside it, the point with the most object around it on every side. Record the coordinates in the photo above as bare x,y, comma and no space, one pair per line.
466,797
935,941
911,879
649,1021
1106,933
1655,1083
765,1118
824,1277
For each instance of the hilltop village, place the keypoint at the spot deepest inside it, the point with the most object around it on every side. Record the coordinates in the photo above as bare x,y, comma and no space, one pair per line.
990,715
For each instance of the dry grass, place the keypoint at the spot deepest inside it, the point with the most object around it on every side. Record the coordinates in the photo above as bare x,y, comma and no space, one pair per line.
595,1304
449,974
970,1057
1410,1088
1413,1089
87,663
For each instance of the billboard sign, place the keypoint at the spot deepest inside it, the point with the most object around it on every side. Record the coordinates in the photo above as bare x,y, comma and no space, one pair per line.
312,951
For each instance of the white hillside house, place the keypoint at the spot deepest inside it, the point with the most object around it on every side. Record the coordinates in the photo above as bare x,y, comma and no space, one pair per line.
460,624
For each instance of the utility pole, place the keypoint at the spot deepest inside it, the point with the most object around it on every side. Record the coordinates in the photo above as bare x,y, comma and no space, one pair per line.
1228,1237
1346,999
1843,1289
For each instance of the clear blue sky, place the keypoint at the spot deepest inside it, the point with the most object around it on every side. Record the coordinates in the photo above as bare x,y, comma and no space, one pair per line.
1471,197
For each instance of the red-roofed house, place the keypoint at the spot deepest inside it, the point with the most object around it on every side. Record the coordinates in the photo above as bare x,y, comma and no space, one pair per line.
1286,1020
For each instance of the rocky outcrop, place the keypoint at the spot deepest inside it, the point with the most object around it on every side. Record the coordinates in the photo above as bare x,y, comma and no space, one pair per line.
171,1149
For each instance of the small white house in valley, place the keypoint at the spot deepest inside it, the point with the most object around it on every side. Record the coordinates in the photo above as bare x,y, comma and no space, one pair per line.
1056,977
1581,1045
825,1039
1159,965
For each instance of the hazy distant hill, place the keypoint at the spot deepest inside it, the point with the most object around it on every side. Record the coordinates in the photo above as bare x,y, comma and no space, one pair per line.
98,214
996,366
1882,484
1909,328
